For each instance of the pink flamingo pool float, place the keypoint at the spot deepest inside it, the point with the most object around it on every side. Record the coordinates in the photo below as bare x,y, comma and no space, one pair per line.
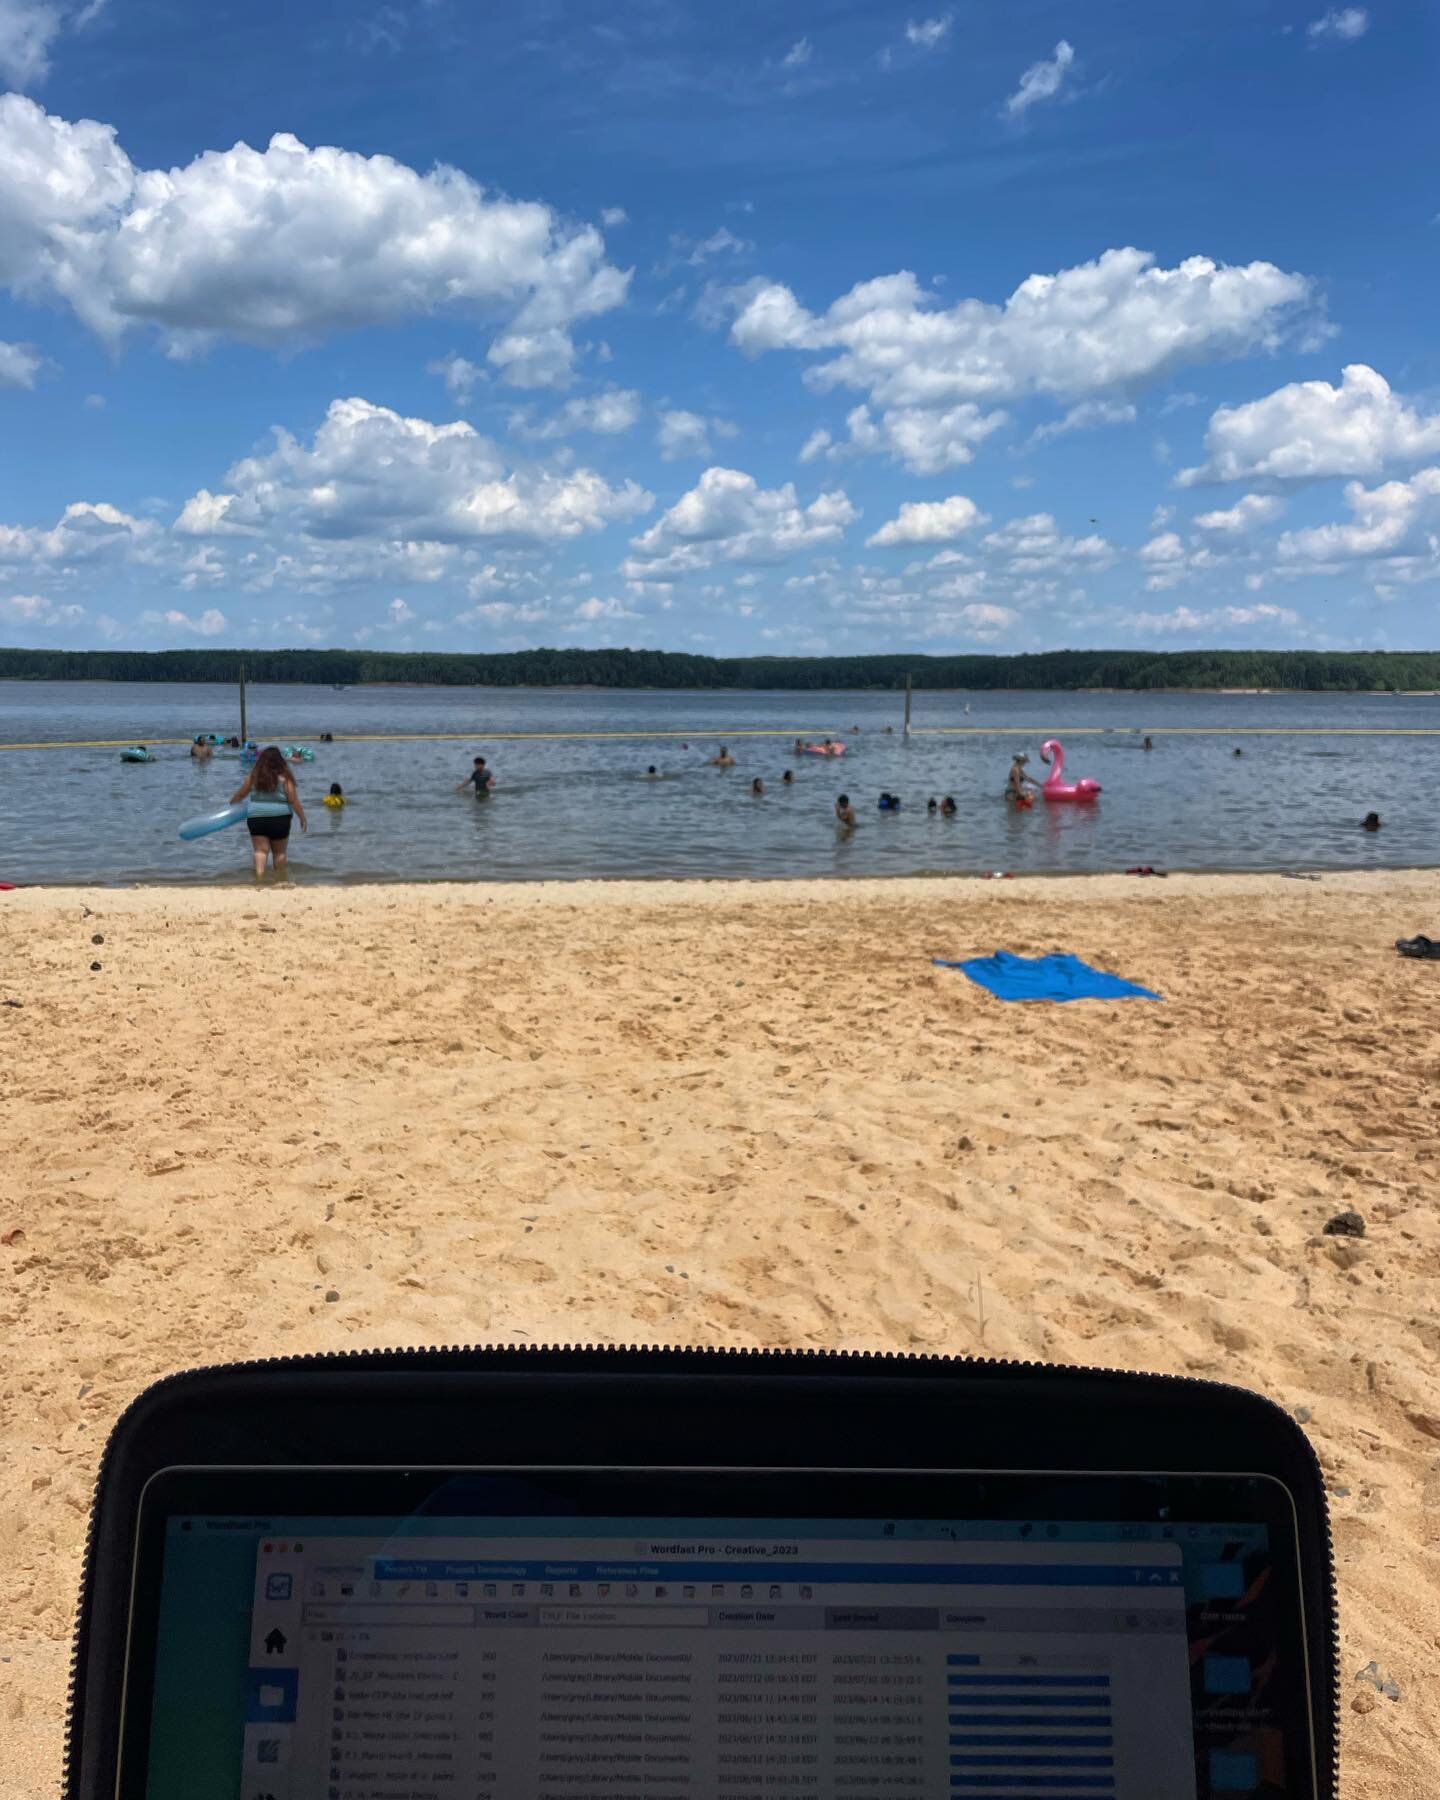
1056,788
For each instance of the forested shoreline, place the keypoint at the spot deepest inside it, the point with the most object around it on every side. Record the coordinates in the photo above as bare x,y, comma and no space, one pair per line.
1361,671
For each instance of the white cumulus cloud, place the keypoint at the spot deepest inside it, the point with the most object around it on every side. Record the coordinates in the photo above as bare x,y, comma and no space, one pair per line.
1087,415
1396,519
605,414
286,244
1043,80
1341,25
1099,330
1310,431
19,365
37,609
85,532
987,622
1166,547
28,30
929,522
925,441
1247,513
798,54
928,34
371,473
591,610
728,517
682,433
210,623
1219,618
1035,546
460,375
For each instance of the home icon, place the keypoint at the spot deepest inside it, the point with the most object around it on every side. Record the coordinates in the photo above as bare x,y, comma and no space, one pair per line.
275,1642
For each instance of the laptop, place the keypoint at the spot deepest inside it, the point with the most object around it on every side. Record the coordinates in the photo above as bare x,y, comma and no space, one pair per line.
576,1573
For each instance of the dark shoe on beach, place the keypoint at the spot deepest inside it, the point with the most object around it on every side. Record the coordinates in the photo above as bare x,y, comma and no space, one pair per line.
1422,947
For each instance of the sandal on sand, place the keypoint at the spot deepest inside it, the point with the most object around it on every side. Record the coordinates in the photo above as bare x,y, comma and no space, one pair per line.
1422,947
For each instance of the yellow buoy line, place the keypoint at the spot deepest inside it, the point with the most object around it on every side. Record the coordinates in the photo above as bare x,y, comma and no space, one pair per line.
717,734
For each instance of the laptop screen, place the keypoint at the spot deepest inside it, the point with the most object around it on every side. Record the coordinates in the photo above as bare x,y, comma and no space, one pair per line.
309,1655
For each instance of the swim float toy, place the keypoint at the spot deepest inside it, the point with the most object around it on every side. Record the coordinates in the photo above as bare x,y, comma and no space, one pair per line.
825,749
216,821
299,753
335,801
136,754
1056,788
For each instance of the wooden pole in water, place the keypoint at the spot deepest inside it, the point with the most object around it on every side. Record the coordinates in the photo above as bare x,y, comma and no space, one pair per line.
244,734
909,683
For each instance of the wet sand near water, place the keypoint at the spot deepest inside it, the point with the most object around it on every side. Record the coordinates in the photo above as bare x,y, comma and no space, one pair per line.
287,1120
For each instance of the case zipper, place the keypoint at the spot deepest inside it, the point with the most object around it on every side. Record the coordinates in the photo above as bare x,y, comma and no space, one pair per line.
379,1359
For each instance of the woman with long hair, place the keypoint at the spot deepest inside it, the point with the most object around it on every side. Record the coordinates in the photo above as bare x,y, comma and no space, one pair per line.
270,801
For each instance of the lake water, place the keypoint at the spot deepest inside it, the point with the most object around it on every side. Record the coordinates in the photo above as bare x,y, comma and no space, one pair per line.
576,806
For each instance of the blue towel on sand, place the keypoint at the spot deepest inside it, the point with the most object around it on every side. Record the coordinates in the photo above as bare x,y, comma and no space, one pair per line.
1011,977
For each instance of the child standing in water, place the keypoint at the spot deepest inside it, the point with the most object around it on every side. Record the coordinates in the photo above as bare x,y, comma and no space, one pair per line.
335,799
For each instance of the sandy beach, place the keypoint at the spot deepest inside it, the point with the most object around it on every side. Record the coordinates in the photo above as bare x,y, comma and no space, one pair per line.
285,1120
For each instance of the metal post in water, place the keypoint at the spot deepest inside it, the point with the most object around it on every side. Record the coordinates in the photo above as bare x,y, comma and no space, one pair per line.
244,734
909,683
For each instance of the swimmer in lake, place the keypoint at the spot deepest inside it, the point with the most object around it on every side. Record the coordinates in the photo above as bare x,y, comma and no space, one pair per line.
1018,783
723,761
1149,744
845,813
1238,751
932,805
757,788
788,778
652,773
201,750
1371,822
479,778
947,808
799,746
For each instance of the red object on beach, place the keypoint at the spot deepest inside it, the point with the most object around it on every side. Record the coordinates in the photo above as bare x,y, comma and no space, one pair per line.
8,887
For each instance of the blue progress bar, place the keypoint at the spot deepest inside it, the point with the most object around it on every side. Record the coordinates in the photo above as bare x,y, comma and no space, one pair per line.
1031,1787
1032,1681
965,1740
1010,1760
1067,1700
1016,1721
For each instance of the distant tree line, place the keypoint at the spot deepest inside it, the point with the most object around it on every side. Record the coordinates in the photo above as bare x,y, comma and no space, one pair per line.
1358,671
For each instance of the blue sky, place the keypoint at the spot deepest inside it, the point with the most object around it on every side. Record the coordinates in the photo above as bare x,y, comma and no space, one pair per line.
748,330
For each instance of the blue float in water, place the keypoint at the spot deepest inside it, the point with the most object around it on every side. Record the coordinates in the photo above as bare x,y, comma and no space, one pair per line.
216,821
